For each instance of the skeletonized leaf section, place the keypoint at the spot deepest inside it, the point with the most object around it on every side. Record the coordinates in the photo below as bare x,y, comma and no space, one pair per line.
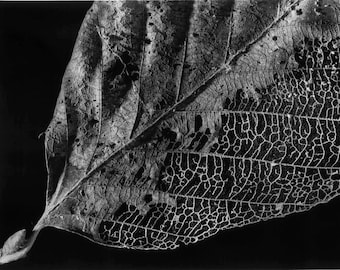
259,141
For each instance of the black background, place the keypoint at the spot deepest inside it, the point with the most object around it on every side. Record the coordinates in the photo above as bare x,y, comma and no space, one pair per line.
36,42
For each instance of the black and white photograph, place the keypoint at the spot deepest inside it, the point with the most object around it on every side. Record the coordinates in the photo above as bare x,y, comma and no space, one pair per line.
170,134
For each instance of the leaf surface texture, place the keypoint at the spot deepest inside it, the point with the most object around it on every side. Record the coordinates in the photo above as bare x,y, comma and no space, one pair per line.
178,119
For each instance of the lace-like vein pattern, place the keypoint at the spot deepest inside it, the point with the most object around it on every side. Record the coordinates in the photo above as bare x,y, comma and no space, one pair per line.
267,152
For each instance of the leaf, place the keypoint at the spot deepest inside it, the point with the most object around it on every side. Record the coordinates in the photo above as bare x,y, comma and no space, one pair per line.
178,119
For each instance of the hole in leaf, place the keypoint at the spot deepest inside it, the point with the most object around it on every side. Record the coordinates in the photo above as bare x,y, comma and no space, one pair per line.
198,122
121,210
148,198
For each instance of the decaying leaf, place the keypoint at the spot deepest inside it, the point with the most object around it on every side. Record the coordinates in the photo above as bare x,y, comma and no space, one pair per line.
178,119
